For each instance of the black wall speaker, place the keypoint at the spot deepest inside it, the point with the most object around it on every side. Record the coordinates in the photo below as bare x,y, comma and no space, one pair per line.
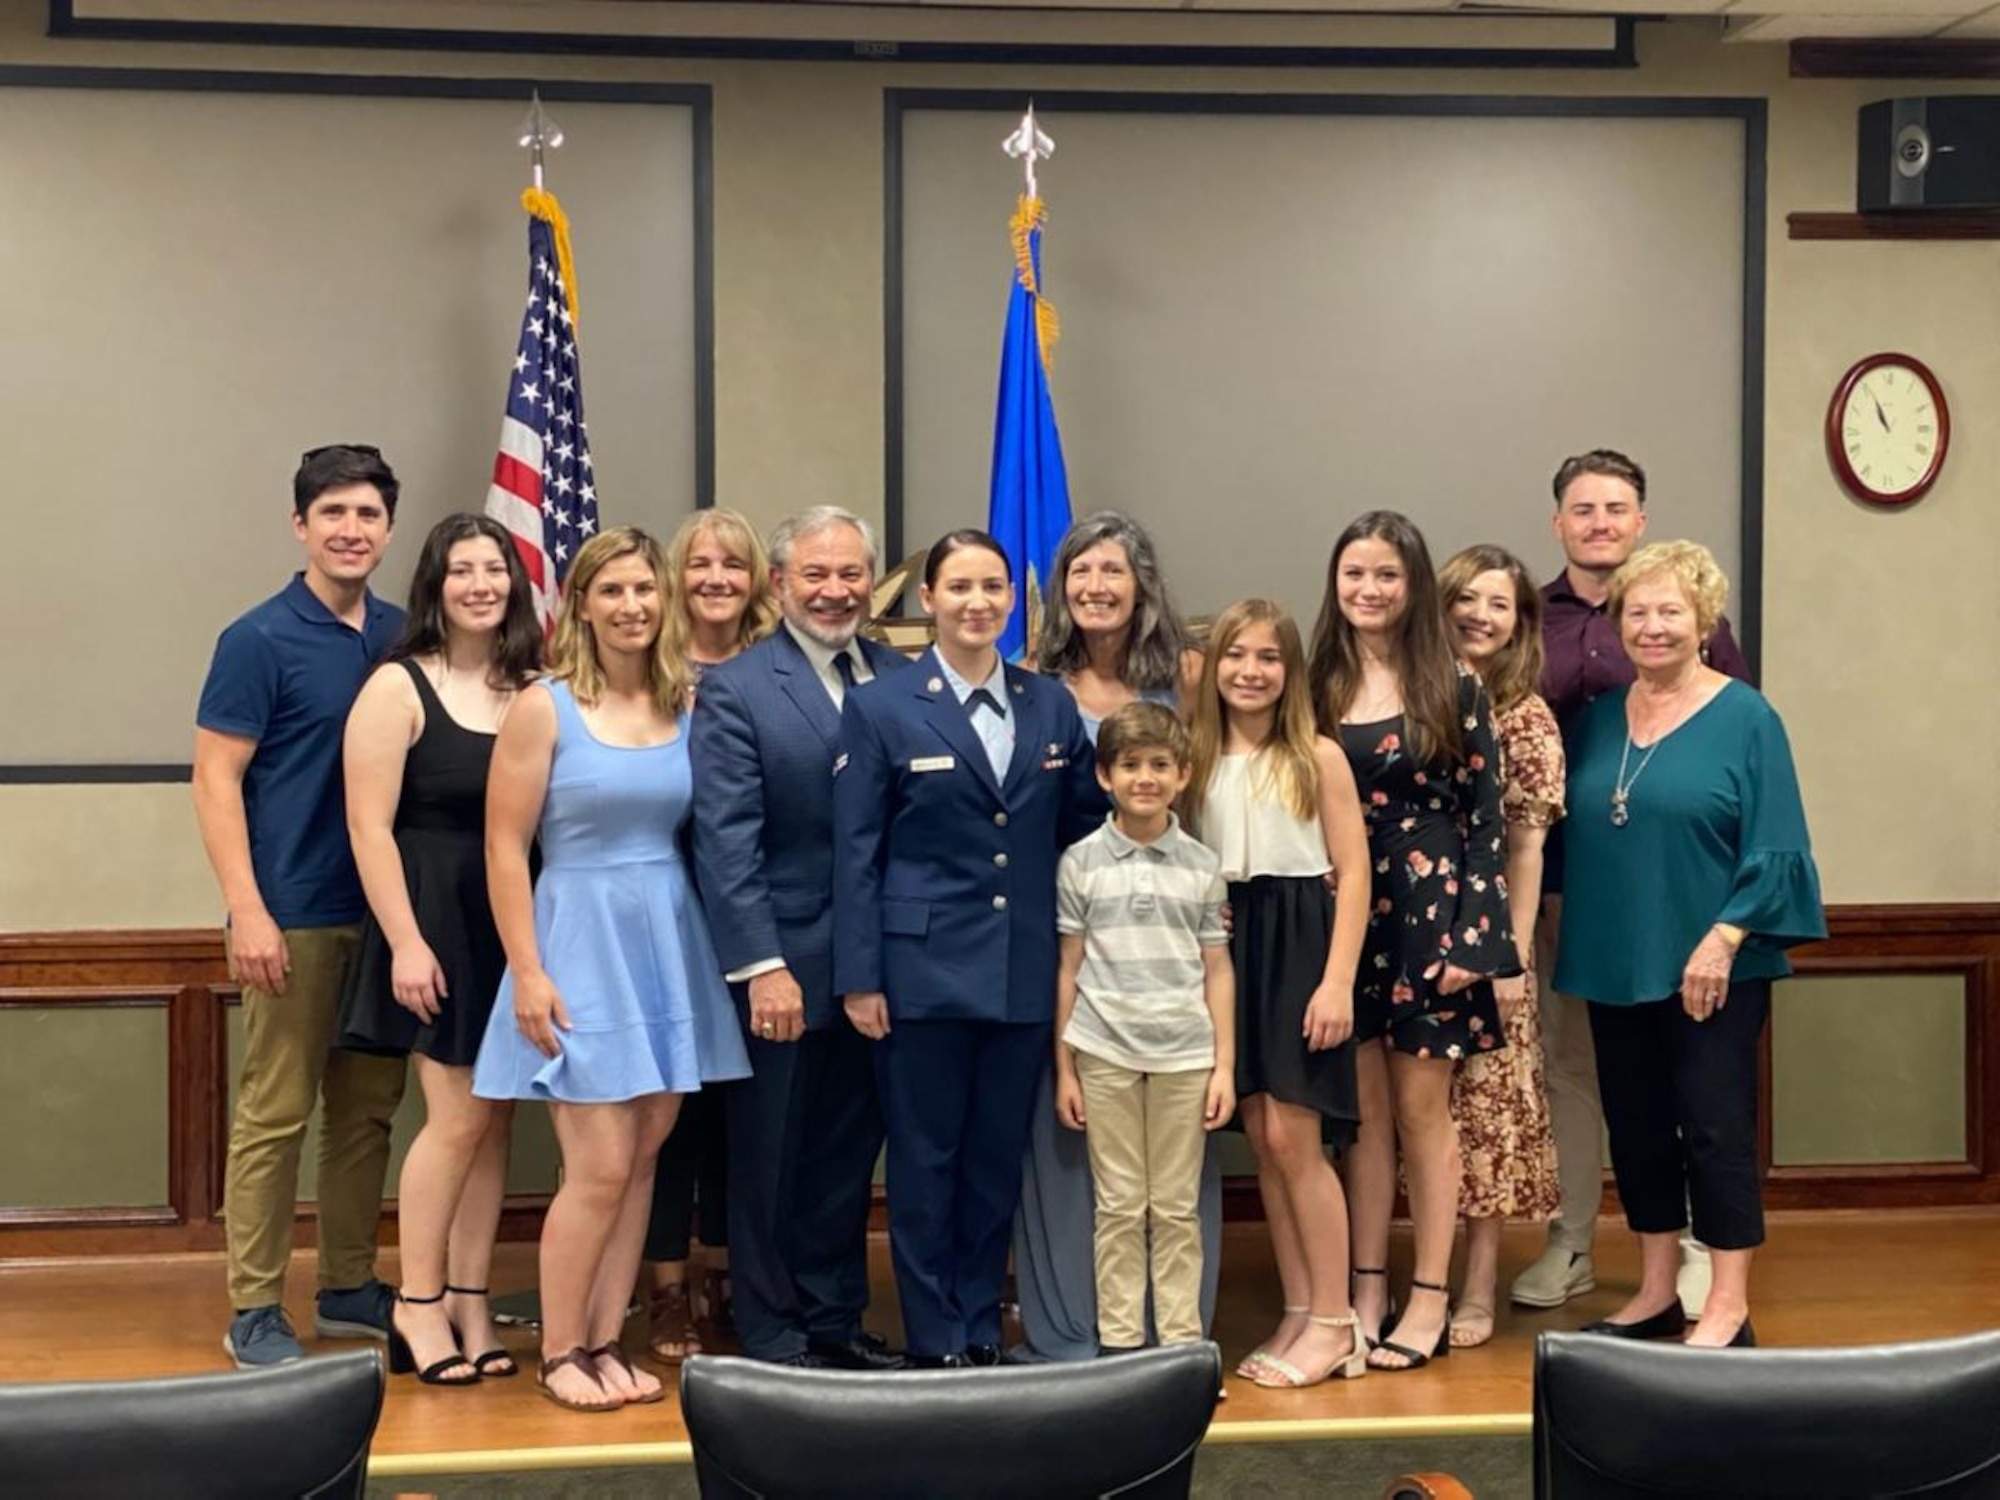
1930,153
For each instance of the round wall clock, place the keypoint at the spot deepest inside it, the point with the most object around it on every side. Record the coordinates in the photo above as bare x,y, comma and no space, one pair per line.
1888,429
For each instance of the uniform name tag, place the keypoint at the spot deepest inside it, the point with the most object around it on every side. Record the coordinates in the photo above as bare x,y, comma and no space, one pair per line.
933,763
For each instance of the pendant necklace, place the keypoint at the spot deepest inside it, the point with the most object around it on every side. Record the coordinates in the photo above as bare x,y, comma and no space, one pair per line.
1621,789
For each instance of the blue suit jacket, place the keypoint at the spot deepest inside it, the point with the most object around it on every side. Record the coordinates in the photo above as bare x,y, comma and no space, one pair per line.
763,741
944,890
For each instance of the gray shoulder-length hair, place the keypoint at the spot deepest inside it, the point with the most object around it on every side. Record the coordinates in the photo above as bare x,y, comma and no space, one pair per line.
1153,656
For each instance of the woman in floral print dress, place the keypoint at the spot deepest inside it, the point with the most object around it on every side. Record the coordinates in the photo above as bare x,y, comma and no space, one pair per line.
1417,731
1498,1098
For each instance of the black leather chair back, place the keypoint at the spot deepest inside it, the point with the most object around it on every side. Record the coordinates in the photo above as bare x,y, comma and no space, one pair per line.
1617,1420
1127,1426
298,1430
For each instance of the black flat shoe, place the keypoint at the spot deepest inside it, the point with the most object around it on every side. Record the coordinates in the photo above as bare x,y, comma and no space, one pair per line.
1669,1323
938,1362
984,1355
862,1353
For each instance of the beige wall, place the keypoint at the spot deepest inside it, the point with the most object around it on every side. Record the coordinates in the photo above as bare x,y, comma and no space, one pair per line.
1875,625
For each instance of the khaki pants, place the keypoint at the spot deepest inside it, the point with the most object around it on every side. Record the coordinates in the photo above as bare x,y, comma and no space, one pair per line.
1146,1144
1575,1114
289,1060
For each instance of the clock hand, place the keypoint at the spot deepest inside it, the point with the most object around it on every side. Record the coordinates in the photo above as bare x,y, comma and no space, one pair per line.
1880,415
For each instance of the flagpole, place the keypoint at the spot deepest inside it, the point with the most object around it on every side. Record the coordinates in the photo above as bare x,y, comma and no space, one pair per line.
1029,144
538,134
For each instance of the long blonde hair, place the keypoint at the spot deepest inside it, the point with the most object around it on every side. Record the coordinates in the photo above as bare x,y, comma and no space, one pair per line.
735,535
1285,769
1515,670
573,652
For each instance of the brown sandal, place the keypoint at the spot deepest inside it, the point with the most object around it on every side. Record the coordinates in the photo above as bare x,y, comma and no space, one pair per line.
615,1352
581,1358
673,1322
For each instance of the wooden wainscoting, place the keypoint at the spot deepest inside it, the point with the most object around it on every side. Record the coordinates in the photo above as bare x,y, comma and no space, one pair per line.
184,971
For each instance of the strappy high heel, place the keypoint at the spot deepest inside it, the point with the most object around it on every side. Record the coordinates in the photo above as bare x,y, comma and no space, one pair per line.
496,1363
1388,1310
1350,1366
1417,1359
403,1361
1254,1360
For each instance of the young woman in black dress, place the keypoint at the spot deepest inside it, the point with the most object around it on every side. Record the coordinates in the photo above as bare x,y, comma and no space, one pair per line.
1419,734
418,743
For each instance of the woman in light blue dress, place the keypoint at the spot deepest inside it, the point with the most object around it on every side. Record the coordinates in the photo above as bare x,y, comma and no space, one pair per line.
1109,635
613,1006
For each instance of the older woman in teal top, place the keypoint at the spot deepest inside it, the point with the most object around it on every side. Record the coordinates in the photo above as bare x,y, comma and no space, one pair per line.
1690,873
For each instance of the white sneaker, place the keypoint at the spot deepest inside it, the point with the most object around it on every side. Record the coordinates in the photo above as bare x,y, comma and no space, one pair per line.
1695,1276
1555,1277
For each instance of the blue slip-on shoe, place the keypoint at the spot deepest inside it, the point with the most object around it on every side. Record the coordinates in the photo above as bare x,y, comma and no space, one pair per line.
260,1337
360,1312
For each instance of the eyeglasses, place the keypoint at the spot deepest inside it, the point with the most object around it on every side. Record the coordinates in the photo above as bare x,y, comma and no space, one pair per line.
366,449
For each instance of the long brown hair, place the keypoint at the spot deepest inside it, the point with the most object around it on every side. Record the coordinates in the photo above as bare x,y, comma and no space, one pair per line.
517,644
1515,670
1285,770
573,652
1420,651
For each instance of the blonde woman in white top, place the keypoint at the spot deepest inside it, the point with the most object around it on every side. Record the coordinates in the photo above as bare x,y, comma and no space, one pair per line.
1277,802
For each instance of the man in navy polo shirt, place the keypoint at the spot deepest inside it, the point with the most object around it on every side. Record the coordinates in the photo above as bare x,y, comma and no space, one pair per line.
269,796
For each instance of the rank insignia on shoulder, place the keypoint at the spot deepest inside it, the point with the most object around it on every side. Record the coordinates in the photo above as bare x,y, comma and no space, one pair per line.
840,763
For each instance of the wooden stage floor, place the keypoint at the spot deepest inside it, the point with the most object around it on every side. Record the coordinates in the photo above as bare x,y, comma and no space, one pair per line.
1823,1279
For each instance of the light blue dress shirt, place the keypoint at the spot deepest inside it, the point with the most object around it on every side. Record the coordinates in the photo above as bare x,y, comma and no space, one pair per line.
995,731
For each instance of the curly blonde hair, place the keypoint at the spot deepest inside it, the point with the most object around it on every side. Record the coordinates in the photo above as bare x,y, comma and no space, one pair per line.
1690,565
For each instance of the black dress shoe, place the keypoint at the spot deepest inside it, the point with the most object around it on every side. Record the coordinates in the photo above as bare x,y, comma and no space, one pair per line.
863,1352
804,1360
938,1362
984,1355
1668,1323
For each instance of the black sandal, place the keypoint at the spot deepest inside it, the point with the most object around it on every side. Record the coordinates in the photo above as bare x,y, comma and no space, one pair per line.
403,1361
1418,1360
495,1363
1388,1312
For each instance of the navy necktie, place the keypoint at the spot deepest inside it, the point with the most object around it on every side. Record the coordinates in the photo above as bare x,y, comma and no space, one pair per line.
980,698
844,665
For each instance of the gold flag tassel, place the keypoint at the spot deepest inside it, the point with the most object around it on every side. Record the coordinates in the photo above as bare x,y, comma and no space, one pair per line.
1030,214
543,206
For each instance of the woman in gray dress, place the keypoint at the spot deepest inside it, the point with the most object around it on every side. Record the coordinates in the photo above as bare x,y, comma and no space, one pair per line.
1110,635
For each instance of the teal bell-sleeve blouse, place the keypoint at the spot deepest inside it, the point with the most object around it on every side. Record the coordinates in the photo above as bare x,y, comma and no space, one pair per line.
1716,832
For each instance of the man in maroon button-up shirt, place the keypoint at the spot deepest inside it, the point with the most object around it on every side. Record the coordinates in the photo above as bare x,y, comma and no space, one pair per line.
1600,517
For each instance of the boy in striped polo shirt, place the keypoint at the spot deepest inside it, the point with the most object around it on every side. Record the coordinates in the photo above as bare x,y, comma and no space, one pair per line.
1145,1025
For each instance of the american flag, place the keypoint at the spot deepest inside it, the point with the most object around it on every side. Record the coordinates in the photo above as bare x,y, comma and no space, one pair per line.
543,489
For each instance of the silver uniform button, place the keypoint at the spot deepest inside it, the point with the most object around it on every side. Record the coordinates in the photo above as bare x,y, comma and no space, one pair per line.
1000,860
999,903
999,820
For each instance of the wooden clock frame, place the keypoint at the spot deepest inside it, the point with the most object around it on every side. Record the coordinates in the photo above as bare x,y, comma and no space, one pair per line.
1836,450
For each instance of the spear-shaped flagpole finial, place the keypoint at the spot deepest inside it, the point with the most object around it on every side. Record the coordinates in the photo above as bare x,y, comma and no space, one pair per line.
1027,145
539,133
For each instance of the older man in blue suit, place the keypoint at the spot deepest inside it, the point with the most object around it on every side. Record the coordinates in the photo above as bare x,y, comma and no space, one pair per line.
806,1128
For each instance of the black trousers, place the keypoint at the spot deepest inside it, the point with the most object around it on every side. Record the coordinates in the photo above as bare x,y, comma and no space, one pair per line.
691,1185
1680,1097
804,1132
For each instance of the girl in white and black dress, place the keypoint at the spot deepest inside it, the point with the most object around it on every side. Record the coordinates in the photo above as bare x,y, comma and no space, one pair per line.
1277,802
